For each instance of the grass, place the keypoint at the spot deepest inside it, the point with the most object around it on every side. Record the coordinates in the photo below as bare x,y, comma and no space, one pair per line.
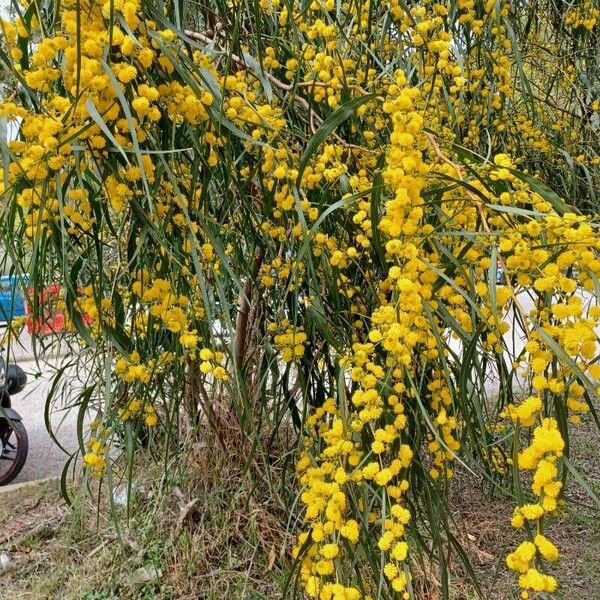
211,530
205,532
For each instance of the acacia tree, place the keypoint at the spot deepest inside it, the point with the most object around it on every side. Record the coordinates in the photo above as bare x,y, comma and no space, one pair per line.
304,207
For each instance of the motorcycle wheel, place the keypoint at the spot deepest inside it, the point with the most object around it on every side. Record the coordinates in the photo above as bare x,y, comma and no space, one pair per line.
14,447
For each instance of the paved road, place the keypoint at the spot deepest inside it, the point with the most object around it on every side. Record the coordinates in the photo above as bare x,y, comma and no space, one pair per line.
45,458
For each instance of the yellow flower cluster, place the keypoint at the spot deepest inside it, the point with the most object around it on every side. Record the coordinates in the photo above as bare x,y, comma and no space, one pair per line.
211,364
163,303
531,578
134,409
346,467
584,14
330,487
94,459
280,272
540,457
131,369
288,339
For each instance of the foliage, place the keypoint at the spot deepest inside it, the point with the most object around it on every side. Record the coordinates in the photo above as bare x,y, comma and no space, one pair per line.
304,208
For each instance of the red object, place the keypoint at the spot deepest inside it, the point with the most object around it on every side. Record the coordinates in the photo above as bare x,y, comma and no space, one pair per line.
52,318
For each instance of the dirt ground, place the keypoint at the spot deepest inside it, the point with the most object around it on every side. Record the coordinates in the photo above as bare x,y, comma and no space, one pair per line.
575,530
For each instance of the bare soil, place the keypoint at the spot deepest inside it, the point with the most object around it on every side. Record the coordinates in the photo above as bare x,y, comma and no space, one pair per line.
575,530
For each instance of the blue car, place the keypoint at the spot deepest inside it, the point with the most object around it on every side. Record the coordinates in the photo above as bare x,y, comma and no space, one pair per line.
11,297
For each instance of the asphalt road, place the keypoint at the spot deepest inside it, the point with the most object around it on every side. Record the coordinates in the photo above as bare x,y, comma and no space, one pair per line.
45,459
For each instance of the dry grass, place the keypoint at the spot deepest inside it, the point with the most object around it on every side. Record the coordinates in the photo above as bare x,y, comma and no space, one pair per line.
211,529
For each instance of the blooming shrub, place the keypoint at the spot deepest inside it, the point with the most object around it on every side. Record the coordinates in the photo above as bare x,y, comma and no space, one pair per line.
305,206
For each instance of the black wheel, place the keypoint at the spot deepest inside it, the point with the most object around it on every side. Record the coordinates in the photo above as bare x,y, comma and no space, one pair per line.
14,446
